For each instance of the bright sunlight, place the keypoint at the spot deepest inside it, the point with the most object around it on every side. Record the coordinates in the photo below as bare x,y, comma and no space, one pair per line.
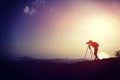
103,55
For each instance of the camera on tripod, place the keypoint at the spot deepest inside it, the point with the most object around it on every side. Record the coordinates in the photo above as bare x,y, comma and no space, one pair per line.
89,48
90,41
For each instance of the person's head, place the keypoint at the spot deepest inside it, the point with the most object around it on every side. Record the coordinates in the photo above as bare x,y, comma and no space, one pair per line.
90,41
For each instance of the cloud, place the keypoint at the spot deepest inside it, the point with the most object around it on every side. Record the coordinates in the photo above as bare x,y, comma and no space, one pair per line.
29,11
26,10
36,2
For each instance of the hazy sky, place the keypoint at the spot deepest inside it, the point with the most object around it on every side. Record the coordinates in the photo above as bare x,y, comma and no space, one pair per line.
60,28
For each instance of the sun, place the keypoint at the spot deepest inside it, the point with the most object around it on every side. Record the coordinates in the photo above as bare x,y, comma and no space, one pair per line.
102,25
103,55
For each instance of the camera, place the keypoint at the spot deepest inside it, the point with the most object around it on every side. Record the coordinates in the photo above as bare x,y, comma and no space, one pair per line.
90,41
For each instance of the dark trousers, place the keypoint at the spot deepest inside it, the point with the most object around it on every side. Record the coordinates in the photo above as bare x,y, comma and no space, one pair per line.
95,53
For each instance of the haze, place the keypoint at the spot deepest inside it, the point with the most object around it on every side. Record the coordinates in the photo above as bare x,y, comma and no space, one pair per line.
60,29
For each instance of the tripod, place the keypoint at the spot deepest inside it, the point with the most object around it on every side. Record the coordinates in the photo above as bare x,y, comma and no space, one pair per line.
91,53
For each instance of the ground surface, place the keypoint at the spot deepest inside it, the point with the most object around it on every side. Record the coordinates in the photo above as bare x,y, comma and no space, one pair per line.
44,70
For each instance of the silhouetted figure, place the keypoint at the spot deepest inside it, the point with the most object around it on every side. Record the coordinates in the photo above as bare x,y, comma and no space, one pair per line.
95,45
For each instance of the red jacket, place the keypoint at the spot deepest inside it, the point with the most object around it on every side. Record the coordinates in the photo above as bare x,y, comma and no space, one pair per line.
94,44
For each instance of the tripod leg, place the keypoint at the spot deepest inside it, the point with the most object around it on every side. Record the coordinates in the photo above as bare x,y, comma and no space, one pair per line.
86,52
91,53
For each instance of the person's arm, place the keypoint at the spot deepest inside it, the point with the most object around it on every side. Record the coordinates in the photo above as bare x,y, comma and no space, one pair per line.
89,45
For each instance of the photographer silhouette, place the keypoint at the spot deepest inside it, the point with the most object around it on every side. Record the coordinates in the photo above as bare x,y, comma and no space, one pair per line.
95,45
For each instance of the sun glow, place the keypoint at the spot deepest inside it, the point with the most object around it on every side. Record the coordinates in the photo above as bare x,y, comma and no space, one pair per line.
101,25
103,55
63,31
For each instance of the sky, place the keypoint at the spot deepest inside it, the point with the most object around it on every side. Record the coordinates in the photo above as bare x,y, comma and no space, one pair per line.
61,28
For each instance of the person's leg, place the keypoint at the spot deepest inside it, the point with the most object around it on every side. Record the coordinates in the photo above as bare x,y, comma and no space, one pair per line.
95,53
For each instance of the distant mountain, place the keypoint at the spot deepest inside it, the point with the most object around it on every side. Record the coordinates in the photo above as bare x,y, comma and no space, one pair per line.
63,60
66,60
